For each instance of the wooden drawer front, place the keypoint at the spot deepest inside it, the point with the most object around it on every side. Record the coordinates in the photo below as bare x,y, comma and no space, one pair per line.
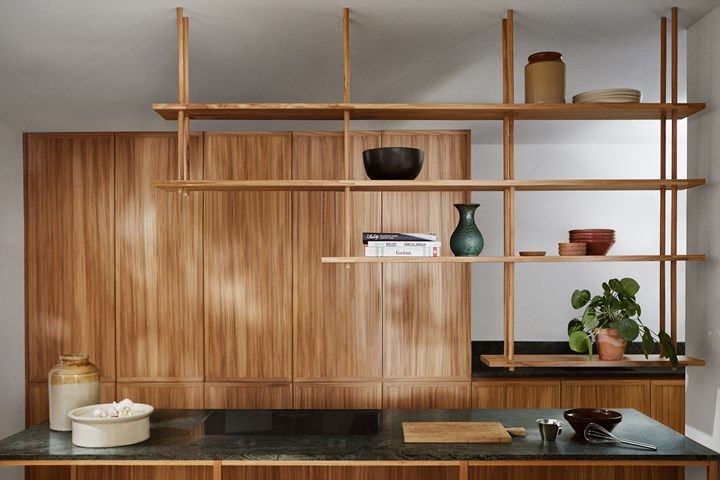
607,394
337,395
164,395
668,403
574,473
426,395
341,473
248,395
528,393
144,473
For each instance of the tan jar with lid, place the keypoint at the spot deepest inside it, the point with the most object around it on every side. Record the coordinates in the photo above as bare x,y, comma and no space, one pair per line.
545,78
72,383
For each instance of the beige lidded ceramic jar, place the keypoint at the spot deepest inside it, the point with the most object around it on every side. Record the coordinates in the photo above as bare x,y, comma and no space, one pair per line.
545,78
72,383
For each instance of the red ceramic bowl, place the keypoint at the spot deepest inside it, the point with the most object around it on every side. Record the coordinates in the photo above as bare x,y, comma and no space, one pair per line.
598,248
579,418
593,230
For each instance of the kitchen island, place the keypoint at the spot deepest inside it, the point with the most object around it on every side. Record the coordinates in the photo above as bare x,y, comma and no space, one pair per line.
226,440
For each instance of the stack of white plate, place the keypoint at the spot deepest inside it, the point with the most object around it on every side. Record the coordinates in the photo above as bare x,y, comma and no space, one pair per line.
611,95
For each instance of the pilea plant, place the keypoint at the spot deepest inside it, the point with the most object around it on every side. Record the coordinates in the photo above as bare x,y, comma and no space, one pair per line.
617,309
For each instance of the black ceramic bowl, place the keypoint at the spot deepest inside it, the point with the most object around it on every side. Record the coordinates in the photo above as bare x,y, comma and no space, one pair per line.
579,418
393,163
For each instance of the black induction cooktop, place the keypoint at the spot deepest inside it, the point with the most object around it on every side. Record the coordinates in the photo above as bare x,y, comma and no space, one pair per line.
292,422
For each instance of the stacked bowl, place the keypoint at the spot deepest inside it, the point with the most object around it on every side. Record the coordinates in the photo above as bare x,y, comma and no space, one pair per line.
611,95
573,249
597,240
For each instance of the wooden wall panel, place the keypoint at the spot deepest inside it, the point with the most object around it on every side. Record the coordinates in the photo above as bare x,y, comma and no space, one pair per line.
521,393
337,395
163,395
158,262
337,311
248,261
406,395
340,473
144,473
69,250
248,395
426,308
668,403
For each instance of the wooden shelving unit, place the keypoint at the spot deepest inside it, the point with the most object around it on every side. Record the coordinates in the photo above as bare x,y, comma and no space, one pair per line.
508,112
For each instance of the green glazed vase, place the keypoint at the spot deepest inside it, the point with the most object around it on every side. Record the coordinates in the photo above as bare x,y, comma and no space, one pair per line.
466,240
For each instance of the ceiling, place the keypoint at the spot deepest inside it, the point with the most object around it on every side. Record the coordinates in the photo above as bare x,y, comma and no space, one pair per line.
99,64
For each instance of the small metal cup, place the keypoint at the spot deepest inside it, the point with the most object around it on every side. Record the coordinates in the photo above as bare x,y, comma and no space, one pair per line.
549,428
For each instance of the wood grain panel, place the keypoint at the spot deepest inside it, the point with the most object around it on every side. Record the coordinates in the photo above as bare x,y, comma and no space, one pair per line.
248,261
248,395
406,395
337,395
164,395
668,403
158,262
69,249
338,330
607,394
144,473
426,308
37,403
340,473
572,473
520,393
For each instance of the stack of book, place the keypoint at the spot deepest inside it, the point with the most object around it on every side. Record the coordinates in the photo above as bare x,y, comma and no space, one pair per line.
401,244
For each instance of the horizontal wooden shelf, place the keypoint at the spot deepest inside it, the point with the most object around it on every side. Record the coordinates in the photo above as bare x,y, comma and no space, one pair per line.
424,185
519,259
579,360
427,111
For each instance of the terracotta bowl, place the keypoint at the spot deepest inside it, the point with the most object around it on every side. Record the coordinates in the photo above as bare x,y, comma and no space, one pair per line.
585,238
579,418
593,230
598,248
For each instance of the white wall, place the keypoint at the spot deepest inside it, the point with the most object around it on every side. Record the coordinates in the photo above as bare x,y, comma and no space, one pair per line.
703,279
12,323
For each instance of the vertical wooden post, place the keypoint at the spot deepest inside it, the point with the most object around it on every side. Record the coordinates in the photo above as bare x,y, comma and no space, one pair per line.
186,97
663,167
508,193
464,470
711,471
346,131
674,192
217,470
183,129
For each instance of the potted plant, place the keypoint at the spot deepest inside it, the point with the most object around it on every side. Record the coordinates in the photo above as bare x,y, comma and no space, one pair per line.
611,320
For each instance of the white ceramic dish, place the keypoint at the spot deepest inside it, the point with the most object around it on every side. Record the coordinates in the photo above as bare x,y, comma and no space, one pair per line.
91,432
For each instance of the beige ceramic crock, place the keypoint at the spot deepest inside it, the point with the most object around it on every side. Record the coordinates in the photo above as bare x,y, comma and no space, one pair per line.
545,78
72,383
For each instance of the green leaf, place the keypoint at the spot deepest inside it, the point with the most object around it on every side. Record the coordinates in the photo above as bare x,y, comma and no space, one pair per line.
596,300
589,319
637,309
628,329
648,343
606,287
668,349
575,325
580,298
579,342
616,285
630,286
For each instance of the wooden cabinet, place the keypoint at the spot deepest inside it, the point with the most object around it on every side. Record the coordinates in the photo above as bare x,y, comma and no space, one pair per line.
668,403
145,473
356,472
164,394
417,395
525,393
607,394
247,261
426,307
158,265
337,395
336,310
248,395
69,247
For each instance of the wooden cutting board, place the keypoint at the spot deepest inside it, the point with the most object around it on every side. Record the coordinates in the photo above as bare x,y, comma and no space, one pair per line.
458,432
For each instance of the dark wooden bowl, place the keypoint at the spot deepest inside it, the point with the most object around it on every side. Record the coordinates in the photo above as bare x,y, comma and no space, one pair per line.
393,163
579,418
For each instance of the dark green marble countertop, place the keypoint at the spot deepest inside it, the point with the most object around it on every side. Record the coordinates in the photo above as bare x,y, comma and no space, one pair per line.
174,437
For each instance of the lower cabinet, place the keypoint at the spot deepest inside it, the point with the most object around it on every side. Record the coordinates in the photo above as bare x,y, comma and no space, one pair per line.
607,394
163,394
574,473
426,395
356,395
254,395
526,393
341,473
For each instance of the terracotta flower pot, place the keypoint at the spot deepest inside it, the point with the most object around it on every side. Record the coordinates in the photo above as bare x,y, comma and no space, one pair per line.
610,345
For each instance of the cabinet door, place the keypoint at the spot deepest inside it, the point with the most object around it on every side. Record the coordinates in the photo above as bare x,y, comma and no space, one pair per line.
248,260
144,473
426,307
520,393
607,394
158,265
668,403
337,311
405,395
69,248
248,395
164,395
337,395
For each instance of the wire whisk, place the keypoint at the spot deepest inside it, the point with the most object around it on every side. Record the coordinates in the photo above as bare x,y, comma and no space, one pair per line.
594,433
